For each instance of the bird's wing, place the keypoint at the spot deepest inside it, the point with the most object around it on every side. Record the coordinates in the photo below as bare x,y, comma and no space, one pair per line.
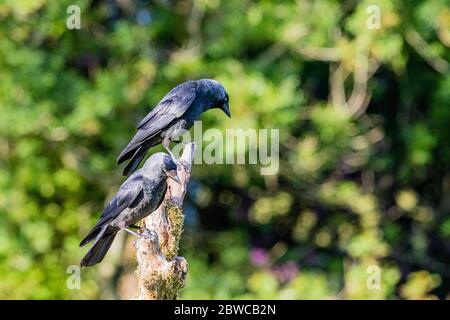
172,106
128,196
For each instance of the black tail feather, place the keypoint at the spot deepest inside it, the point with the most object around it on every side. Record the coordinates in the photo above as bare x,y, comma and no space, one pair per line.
126,154
98,250
136,143
135,161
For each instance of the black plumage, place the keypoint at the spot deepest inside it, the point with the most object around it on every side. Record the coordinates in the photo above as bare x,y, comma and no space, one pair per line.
174,114
139,195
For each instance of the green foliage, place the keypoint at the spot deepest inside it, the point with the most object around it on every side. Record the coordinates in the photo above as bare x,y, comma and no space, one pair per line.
364,156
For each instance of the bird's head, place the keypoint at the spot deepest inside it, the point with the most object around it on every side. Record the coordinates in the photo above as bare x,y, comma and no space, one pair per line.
162,164
218,95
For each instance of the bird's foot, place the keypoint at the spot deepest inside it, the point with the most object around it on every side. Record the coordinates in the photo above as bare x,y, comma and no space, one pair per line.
132,232
171,154
143,232
148,234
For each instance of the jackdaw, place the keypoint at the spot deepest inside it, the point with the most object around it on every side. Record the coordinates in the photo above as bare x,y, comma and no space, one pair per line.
174,114
139,195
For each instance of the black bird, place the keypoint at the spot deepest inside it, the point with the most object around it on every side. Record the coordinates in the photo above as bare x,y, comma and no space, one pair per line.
174,114
139,195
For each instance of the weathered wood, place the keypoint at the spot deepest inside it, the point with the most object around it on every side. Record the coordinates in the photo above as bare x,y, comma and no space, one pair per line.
160,273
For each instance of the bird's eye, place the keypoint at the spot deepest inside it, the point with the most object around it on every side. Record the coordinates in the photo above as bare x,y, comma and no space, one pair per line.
226,99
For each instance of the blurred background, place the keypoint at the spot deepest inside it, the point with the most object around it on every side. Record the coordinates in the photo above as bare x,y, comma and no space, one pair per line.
363,115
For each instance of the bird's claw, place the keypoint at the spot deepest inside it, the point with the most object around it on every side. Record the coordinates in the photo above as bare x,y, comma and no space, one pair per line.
148,234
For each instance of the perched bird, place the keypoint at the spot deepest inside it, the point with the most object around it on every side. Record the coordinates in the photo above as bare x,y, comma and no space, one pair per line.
174,114
139,195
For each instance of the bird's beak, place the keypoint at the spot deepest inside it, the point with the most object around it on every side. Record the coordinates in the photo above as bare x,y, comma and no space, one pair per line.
173,174
226,109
